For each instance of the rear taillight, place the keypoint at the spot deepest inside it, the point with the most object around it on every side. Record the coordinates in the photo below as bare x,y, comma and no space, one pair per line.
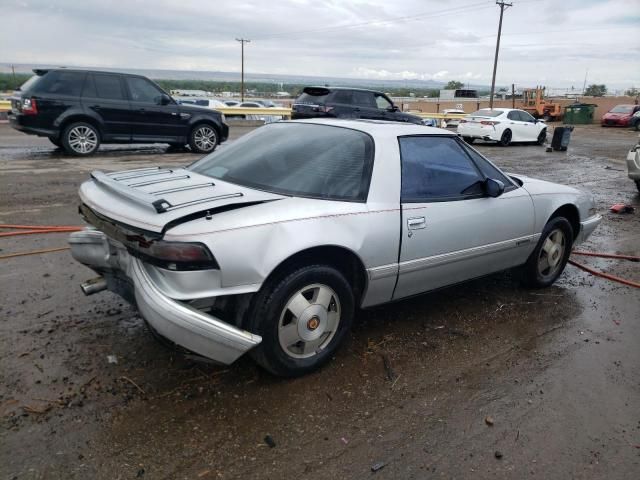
325,109
489,122
29,106
175,255
462,121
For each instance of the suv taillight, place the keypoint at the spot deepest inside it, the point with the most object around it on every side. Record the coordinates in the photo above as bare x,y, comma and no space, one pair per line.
325,109
29,106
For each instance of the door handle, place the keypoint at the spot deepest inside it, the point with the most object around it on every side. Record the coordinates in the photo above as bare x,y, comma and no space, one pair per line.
95,107
416,223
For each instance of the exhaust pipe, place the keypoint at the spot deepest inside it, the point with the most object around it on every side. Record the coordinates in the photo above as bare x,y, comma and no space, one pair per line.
94,285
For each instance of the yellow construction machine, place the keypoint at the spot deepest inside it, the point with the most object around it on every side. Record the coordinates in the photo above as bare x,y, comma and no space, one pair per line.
533,102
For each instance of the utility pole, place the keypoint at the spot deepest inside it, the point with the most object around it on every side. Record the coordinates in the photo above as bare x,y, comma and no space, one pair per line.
502,5
242,42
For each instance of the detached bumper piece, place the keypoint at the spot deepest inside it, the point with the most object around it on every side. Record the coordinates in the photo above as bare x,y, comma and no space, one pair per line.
186,326
179,322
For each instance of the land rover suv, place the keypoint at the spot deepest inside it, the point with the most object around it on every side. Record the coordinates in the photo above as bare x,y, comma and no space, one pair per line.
339,102
80,109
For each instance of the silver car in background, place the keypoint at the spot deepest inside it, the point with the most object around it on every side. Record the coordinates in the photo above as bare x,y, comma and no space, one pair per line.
270,244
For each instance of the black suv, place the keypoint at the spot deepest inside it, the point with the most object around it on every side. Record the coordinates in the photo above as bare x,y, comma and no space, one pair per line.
339,102
79,109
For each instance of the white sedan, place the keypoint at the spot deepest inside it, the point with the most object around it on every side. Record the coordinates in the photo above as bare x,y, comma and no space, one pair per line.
502,125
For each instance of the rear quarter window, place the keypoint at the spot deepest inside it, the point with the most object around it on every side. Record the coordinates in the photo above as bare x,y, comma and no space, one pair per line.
60,83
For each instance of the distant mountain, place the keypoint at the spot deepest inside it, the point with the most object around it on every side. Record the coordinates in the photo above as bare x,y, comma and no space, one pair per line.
251,77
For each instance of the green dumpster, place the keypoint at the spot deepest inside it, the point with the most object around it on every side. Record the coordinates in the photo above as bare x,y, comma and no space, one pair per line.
579,113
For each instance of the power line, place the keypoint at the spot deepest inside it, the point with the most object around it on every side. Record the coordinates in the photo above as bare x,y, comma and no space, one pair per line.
414,17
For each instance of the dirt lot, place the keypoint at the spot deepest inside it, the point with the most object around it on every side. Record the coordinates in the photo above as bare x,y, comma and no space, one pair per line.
557,370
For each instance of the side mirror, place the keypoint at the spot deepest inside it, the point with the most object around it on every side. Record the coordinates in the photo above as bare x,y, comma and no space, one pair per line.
393,109
493,188
165,99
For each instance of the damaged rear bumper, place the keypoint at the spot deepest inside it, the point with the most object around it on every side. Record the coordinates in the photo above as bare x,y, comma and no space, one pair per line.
176,320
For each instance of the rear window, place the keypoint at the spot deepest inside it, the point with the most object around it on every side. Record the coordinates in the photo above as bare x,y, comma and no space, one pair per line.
30,84
60,83
314,95
485,112
622,109
305,160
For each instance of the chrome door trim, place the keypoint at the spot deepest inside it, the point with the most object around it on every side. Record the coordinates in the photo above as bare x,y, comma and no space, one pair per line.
466,254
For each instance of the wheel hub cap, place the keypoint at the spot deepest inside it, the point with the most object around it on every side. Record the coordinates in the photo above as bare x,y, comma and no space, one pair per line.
309,321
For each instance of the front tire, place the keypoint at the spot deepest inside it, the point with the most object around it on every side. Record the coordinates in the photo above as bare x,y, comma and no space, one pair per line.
469,140
303,317
542,137
203,138
638,185
55,141
548,259
80,139
505,139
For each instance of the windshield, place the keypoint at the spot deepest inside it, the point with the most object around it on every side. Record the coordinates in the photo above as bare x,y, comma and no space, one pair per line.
307,160
485,112
622,109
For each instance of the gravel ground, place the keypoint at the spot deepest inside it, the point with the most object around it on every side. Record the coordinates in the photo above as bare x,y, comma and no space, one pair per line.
482,380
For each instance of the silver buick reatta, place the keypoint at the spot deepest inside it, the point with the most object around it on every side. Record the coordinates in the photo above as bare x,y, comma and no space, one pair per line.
271,243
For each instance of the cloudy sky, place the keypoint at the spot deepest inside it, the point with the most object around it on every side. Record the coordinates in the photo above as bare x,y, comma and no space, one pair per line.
551,42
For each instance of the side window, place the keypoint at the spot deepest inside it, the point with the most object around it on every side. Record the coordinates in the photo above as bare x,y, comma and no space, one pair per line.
363,99
383,103
142,90
526,117
486,167
62,83
341,96
108,87
514,115
437,169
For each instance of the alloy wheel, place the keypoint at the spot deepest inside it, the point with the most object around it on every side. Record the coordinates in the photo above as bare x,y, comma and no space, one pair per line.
309,321
82,139
205,138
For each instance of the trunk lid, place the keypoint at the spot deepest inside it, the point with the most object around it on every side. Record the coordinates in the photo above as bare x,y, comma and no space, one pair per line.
154,199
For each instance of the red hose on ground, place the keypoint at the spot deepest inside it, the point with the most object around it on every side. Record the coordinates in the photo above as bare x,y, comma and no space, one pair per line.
605,275
607,255
36,227
33,229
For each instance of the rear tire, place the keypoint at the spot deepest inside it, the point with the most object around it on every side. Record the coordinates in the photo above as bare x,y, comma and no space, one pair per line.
548,259
80,139
505,140
302,316
542,137
55,141
203,138
469,140
638,185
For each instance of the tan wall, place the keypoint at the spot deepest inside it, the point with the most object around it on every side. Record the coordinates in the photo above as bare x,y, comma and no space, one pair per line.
604,104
